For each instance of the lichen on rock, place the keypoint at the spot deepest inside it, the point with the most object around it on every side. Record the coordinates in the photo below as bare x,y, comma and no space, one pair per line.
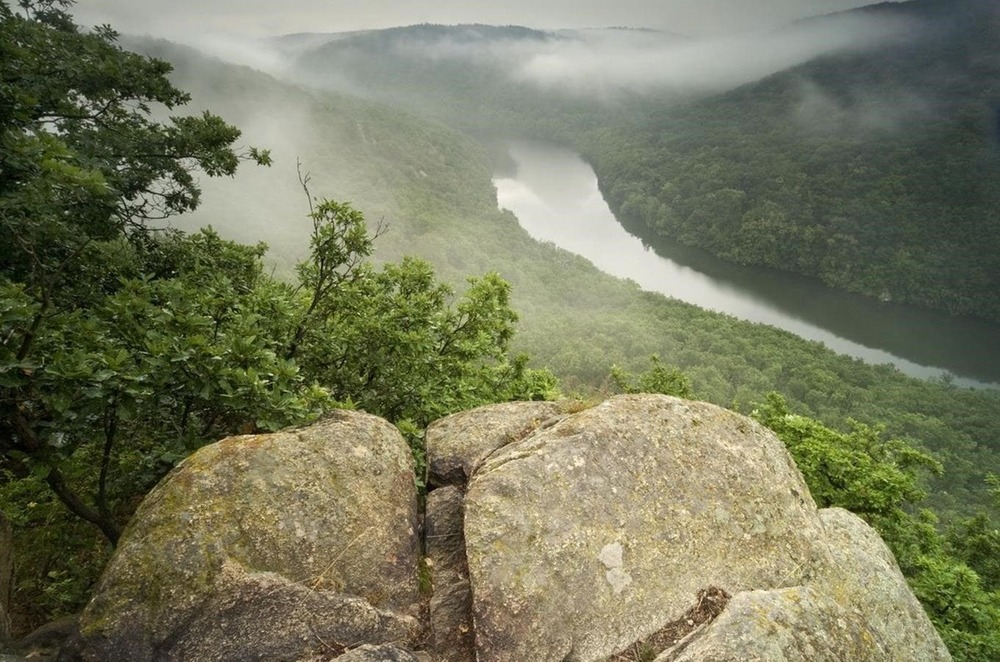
329,510
589,535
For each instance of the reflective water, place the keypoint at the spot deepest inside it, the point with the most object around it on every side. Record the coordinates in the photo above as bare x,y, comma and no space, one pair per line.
555,197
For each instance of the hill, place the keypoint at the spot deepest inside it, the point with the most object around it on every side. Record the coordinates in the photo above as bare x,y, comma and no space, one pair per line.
432,187
878,171
859,148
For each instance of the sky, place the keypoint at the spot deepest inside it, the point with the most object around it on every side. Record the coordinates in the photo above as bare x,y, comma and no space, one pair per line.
258,18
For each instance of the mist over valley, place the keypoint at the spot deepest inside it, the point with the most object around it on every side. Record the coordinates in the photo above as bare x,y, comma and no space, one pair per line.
241,217
782,158
878,84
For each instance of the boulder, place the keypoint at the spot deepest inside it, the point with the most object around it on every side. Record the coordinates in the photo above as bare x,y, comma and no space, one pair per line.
45,642
270,547
457,444
863,576
859,607
383,653
444,536
591,534
645,527
795,624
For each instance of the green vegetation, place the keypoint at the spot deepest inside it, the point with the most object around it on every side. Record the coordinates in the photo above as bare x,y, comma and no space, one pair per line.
432,188
424,69
657,379
877,172
124,348
580,323
954,576
143,344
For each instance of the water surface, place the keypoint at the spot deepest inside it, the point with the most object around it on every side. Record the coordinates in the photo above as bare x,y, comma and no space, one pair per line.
555,197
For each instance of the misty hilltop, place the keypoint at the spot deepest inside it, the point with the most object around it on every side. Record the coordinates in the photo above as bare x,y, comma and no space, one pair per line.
859,147
157,296
876,171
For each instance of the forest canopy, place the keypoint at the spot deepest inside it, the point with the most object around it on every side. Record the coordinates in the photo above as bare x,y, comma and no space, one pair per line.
125,346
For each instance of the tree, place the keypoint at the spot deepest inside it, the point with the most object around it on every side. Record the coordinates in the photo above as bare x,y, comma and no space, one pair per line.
658,379
390,340
123,347
84,168
879,480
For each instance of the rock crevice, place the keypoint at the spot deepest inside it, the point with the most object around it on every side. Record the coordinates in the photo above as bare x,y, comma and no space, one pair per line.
644,527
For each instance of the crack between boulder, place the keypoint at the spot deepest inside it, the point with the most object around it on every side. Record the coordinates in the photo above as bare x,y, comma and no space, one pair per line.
678,634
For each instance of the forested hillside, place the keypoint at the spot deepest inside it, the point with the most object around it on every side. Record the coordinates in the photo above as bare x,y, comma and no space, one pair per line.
475,77
872,166
877,172
432,188
123,347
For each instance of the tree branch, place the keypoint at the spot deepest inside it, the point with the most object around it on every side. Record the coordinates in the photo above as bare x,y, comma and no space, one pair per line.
81,509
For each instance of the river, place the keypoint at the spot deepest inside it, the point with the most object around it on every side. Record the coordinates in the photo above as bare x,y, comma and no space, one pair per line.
555,196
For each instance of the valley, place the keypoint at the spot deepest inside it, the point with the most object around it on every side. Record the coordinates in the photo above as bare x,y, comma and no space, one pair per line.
432,187
250,234
556,198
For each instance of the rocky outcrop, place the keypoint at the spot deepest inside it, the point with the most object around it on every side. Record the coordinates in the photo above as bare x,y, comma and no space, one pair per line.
645,527
594,536
452,634
369,653
267,547
593,533
863,576
457,444
859,608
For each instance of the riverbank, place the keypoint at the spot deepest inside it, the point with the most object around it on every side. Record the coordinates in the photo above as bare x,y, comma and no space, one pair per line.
556,198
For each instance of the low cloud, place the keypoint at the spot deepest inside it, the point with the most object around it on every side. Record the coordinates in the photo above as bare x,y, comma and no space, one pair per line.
819,111
703,65
605,62
597,63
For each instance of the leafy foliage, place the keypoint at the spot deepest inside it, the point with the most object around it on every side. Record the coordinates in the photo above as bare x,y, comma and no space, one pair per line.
84,167
876,172
878,480
433,188
123,348
389,339
859,470
658,379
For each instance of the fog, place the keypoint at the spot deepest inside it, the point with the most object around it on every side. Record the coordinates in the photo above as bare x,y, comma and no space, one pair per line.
603,62
355,153
732,41
257,18
595,62
867,110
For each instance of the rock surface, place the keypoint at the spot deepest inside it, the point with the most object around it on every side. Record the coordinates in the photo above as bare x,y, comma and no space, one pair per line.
313,530
863,575
592,533
384,653
795,624
452,634
457,444
858,608
645,527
